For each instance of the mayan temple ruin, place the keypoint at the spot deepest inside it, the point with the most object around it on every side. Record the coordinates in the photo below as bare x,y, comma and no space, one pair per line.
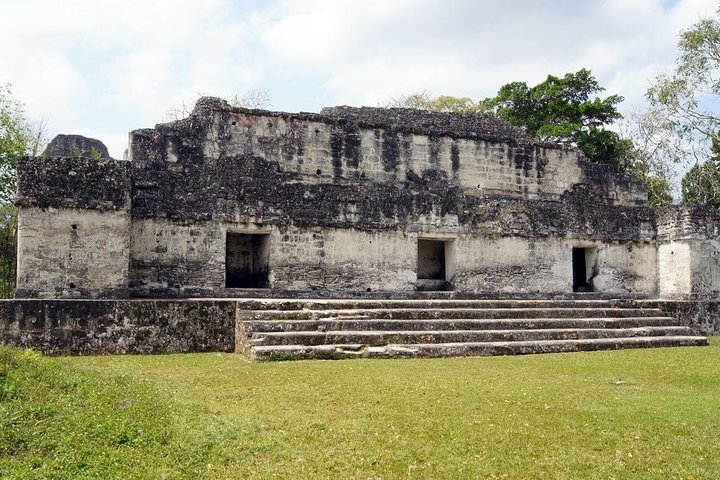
355,232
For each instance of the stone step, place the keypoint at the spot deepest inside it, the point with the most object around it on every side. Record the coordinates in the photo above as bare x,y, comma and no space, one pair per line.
352,304
293,352
380,338
455,313
367,323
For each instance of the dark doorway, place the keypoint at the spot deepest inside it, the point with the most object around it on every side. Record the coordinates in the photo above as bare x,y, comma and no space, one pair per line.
431,268
581,281
246,260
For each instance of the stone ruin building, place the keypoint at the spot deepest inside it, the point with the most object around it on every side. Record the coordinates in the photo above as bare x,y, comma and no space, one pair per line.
352,232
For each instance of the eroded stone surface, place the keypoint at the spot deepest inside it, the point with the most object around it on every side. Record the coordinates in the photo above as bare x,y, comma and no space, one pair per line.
341,202
92,327
75,146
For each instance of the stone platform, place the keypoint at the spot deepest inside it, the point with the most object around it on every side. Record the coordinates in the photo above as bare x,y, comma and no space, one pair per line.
425,325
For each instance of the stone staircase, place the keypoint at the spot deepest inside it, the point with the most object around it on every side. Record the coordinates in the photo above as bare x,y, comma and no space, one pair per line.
284,329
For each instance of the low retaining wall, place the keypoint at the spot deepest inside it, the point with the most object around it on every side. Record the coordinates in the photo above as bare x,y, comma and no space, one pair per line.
92,327
703,316
95,327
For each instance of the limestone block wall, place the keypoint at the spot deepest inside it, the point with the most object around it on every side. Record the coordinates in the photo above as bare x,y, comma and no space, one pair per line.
479,154
689,252
626,267
512,264
176,257
675,269
73,228
102,327
544,265
329,202
344,259
189,259
703,316
69,252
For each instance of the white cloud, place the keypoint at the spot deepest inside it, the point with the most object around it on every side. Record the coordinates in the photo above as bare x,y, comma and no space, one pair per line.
83,62
54,84
113,66
472,48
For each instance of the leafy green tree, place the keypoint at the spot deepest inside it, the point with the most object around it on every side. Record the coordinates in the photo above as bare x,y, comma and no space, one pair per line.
688,95
8,248
17,138
685,105
701,184
658,187
565,110
606,146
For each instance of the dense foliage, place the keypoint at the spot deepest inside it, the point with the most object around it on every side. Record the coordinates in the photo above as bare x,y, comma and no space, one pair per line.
17,138
564,110
8,248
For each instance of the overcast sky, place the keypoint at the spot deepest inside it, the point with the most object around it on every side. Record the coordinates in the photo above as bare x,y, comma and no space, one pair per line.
103,68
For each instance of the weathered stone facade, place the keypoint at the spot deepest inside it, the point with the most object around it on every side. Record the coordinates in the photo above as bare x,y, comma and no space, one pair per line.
338,201
350,202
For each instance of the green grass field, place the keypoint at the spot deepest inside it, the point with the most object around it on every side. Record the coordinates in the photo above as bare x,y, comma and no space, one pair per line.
623,414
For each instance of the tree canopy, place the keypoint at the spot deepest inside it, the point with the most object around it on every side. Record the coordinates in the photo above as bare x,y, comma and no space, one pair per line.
685,101
441,103
558,108
565,110
701,184
17,138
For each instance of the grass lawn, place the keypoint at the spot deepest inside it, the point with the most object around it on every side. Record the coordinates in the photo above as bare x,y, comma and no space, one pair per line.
619,414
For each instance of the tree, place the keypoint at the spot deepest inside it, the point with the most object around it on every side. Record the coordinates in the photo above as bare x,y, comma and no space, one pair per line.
17,138
248,99
563,110
567,110
649,154
701,184
685,101
441,103
8,249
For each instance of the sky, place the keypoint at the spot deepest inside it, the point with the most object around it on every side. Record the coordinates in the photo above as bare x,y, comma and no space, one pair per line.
103,68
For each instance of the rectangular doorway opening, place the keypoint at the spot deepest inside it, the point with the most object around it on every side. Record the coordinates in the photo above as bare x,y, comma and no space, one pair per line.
433,270
583,266
246,260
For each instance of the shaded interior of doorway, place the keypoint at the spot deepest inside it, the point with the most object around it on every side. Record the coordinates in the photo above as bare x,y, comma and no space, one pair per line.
246,260
583,260
432,266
